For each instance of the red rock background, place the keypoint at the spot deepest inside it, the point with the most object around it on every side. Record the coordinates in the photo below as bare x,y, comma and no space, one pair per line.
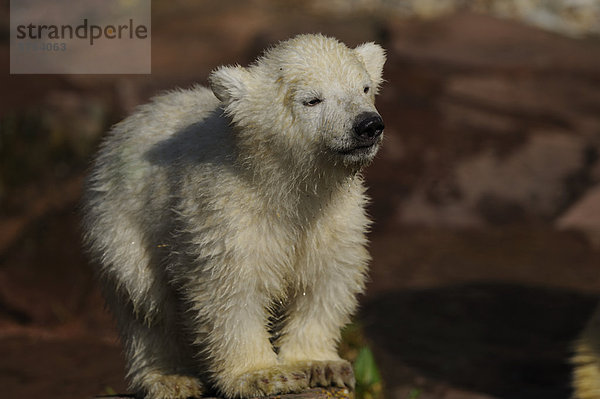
485,197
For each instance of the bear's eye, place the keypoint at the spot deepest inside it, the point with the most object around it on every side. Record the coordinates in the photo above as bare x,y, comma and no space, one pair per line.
313,102
366,89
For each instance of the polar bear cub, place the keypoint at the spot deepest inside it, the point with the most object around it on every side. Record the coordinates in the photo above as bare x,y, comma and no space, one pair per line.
229,223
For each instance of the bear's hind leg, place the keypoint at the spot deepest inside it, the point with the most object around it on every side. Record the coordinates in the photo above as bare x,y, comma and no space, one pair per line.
156,385
159,366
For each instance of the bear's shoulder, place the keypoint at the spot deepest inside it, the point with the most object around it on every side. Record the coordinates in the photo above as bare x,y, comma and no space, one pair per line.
181,106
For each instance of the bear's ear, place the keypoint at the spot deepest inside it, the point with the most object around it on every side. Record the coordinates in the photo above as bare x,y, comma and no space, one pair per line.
229,83
373,56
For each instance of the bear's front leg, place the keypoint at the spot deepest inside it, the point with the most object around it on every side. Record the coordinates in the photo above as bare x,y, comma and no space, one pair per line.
309,340
231,334
316,315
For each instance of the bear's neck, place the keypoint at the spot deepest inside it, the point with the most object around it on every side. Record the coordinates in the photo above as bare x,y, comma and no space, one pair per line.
300,189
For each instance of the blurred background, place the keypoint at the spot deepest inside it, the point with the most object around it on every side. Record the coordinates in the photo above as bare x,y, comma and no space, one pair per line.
486,194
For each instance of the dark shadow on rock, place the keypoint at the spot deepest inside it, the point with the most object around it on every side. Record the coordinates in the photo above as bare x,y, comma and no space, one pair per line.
503,340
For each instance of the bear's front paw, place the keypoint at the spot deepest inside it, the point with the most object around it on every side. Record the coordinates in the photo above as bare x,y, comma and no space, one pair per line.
331,373
270,381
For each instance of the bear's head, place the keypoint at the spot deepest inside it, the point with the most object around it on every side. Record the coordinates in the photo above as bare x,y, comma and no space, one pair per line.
307,101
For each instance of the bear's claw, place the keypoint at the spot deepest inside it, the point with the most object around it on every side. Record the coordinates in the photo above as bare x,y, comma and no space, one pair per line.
331,373
270,381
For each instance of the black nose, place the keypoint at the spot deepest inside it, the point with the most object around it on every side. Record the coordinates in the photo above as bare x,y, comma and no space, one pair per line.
368,127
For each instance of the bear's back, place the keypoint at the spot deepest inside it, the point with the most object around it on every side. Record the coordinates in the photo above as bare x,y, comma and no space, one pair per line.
159,135
146,156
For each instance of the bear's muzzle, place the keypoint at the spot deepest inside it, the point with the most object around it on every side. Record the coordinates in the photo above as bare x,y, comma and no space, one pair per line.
367,128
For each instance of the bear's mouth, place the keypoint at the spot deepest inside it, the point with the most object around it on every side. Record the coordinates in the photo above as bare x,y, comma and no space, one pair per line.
359,149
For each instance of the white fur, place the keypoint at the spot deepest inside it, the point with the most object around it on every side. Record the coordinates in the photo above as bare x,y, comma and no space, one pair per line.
213,214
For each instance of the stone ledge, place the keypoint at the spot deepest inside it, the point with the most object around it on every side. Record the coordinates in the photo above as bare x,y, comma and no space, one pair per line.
315,393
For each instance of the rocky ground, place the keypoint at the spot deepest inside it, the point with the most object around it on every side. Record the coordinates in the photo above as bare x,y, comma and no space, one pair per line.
485,198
